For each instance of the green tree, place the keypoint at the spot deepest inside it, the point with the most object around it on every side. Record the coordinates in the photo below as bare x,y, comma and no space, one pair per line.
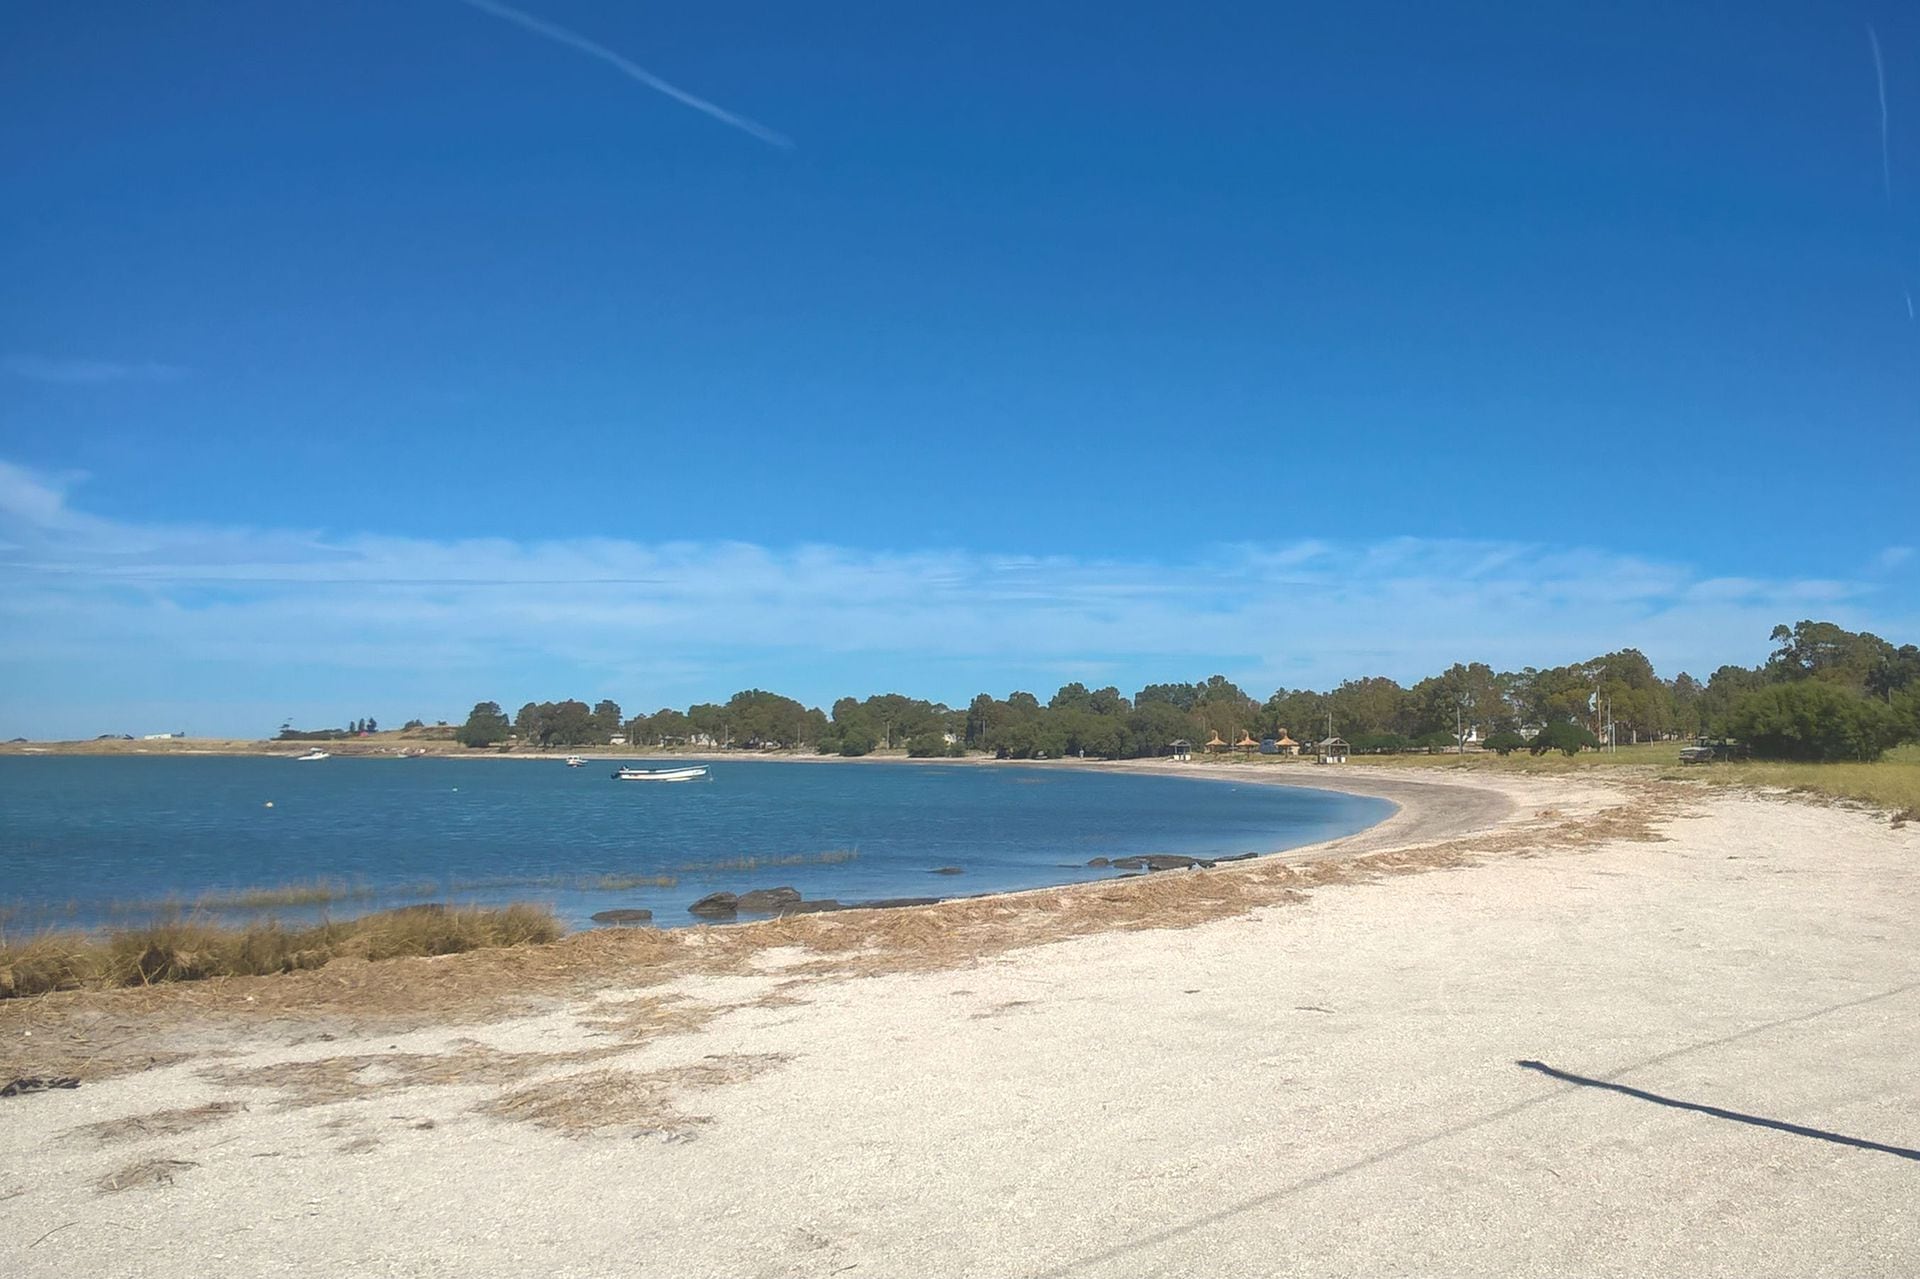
1300,713
606,720
568,723
1683,695
1155,725
1724,690
485,726
1505,742
1811,719
1362,706
707,724
1894,672
928,746
1564,736
1181,696
1827,652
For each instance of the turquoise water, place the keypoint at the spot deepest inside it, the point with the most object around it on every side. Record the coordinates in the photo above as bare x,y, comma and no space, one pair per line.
93,841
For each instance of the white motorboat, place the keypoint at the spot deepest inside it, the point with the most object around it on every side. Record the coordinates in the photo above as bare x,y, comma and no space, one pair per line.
574,761
690,773
310,756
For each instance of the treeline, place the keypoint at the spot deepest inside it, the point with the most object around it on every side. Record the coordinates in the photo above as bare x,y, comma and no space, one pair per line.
356,728
1824,693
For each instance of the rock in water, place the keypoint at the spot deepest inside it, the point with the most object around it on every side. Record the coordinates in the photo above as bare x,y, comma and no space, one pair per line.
1158,861
947,870
716,905
623,916
1099,861
766,899
812,907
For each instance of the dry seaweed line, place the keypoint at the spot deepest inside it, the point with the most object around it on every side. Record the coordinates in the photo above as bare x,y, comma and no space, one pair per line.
144,1172
158,1123
579,1103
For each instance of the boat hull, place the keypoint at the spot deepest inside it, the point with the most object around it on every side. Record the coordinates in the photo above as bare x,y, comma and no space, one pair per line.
659,774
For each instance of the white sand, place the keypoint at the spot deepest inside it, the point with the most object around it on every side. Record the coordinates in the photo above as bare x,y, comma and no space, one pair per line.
1328,1087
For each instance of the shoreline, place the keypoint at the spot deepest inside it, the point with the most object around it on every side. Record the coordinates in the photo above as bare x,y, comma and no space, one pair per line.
1422,809
1204,1070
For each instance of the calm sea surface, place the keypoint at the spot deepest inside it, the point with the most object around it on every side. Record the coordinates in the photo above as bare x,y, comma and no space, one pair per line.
86,842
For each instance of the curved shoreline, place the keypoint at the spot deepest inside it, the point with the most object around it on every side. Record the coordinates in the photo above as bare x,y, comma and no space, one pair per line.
1420,810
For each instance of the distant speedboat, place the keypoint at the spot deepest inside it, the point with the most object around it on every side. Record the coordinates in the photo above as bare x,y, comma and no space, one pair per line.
692,773
574,761
310,756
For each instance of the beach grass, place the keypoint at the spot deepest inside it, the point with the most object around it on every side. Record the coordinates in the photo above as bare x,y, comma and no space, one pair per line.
191,948
1891,782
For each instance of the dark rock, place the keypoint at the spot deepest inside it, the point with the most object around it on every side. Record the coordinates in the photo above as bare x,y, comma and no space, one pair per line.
1238,857
1099,861
623,916
718,905
1158,861
767,899
947,870
811,908
888,903
38,1083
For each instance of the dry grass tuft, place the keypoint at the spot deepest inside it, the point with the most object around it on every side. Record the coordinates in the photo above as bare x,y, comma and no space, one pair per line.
195,949
158,1123
143,1172
643,1101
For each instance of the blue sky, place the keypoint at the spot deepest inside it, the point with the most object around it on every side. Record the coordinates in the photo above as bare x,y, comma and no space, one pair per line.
372,357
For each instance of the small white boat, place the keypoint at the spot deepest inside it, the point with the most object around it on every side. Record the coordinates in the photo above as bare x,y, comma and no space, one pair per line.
574,761
310,756
691,773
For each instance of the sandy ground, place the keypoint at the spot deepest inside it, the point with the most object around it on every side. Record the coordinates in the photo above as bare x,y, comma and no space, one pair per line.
1721,1010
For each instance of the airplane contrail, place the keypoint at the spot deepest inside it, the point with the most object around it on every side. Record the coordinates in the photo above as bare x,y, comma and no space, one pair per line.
1880,81
574,40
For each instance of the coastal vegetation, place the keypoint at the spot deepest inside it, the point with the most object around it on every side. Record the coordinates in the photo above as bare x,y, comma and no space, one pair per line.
191,948
1891,782
1823,694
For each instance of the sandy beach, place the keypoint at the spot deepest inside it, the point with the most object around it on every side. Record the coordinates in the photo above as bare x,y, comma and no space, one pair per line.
1528,1025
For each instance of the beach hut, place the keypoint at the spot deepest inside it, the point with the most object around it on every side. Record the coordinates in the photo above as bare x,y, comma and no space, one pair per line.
1215,743
1181,748
1333,750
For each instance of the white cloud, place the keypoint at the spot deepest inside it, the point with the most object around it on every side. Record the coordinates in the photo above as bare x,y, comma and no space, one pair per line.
673,621
41,368
1893,557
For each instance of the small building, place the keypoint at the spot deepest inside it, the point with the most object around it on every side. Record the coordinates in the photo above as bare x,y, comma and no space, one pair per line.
1182,749
618,739
1333,750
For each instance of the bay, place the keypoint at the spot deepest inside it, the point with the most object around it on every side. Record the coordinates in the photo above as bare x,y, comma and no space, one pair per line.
91,842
